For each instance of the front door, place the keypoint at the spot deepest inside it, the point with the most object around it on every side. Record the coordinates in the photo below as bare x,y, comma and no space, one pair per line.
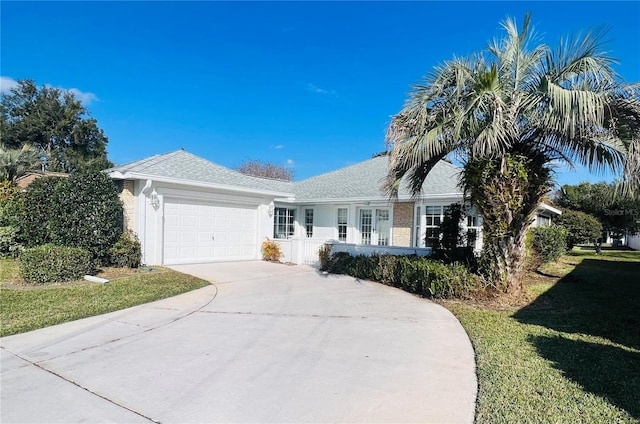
375,226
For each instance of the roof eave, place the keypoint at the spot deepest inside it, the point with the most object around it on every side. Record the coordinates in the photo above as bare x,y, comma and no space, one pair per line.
118,175
401,198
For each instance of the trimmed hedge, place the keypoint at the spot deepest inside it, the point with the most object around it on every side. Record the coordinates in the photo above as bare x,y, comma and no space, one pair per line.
34,225
87,213
127,252
54,264
413,274
547,243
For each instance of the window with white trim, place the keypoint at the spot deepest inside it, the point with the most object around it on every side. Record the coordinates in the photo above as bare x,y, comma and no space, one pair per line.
433,219
284,223
308,222
343,214
474,225
417,229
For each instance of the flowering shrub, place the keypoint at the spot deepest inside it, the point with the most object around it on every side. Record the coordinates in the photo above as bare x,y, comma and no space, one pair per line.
271,251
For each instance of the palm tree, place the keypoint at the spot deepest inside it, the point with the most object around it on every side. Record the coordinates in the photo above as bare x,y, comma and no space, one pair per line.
14,163
509,114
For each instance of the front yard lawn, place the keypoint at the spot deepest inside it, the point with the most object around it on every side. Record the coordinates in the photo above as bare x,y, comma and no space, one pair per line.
25,308
569,354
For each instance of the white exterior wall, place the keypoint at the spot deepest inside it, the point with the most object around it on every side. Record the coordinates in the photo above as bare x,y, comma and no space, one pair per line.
149,222
633,242
325,219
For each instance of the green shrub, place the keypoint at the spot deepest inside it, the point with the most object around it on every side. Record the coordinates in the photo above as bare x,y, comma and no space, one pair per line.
11,205
34,225
581,227
413,274
87,213
271,251
127,252
340,262
9,245
53,264
547,243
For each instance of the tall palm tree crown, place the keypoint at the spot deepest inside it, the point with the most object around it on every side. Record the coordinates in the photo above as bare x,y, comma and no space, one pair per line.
565,104
510,113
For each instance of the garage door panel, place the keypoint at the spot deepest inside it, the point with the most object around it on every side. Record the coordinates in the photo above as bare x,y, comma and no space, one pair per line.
197,231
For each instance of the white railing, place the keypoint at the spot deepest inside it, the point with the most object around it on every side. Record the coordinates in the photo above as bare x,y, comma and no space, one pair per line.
368,250
305,250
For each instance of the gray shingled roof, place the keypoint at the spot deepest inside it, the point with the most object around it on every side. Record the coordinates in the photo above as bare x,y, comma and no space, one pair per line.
364,179
185,166
360,181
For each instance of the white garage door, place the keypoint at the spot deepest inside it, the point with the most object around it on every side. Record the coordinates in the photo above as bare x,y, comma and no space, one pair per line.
199,231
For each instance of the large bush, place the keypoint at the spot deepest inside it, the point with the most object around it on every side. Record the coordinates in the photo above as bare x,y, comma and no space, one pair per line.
10,247
413,274
581,227
53,264
546,244
127,252
11,204
39,200
87,213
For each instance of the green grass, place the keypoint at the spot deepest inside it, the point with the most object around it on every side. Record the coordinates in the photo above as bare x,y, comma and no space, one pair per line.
9,270
572,354
26,309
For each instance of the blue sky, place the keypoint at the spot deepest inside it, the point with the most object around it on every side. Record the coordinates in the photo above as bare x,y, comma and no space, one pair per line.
310,85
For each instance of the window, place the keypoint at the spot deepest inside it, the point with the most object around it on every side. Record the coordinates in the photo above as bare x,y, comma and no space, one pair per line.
284,223
382,222
308,222
366,225
433,219
474,224
416,230
543,221
342,224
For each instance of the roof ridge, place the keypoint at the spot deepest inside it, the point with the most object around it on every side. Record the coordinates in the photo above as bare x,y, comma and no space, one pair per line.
361,163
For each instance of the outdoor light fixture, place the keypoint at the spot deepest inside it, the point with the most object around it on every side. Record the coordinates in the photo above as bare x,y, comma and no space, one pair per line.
155,200
272,208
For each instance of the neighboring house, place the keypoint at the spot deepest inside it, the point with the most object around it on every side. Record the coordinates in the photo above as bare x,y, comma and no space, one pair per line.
633,241
187,209
545,215
29,177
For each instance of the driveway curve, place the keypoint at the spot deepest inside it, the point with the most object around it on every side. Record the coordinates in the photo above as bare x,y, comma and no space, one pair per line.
264,343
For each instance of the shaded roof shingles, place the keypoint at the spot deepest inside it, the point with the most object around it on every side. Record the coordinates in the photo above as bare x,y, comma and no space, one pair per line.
185,166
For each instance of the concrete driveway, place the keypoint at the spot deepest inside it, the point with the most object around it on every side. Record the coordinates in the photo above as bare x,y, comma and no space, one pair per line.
265,343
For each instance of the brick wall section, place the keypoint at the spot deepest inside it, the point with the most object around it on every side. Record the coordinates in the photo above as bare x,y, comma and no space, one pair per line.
126,197
402,224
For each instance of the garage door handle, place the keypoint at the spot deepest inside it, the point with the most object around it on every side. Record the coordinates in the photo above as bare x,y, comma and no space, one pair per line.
213,238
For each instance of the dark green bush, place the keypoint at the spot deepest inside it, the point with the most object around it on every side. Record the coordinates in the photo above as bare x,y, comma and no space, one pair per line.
547,243
54,264
413,274
87,213
34,225
9,245
11,205
127,252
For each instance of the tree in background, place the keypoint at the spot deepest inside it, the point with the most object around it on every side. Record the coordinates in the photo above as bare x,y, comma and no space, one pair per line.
257,168
617,213
581,227
54,122
509,113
